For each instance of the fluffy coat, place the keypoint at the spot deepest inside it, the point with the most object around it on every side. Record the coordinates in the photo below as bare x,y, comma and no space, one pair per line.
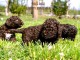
13,22
67,31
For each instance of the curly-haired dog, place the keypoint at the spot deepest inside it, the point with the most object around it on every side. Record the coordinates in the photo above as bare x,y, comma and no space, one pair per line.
29,34
49,31
13,22
67,31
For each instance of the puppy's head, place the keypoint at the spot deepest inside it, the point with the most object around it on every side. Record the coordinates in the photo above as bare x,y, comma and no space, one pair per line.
13,22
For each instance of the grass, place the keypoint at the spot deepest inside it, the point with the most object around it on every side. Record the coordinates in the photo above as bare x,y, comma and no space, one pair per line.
62,50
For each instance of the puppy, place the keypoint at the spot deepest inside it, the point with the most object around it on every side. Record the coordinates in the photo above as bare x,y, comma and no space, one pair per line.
29,34
67,31
13,22
49,31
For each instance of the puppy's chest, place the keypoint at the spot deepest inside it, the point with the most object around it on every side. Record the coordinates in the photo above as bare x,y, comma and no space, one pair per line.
7,36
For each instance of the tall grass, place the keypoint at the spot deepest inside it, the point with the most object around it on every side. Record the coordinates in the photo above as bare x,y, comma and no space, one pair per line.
62,50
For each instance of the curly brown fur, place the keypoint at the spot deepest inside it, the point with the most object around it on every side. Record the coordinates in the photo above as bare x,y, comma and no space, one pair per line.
67,31
49,31
13,22
29,34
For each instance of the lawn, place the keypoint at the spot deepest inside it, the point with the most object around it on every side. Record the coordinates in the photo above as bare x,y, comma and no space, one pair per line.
62,50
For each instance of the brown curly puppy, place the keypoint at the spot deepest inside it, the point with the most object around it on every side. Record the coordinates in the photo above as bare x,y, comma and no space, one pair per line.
29,34
49,31
67,31
13,22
